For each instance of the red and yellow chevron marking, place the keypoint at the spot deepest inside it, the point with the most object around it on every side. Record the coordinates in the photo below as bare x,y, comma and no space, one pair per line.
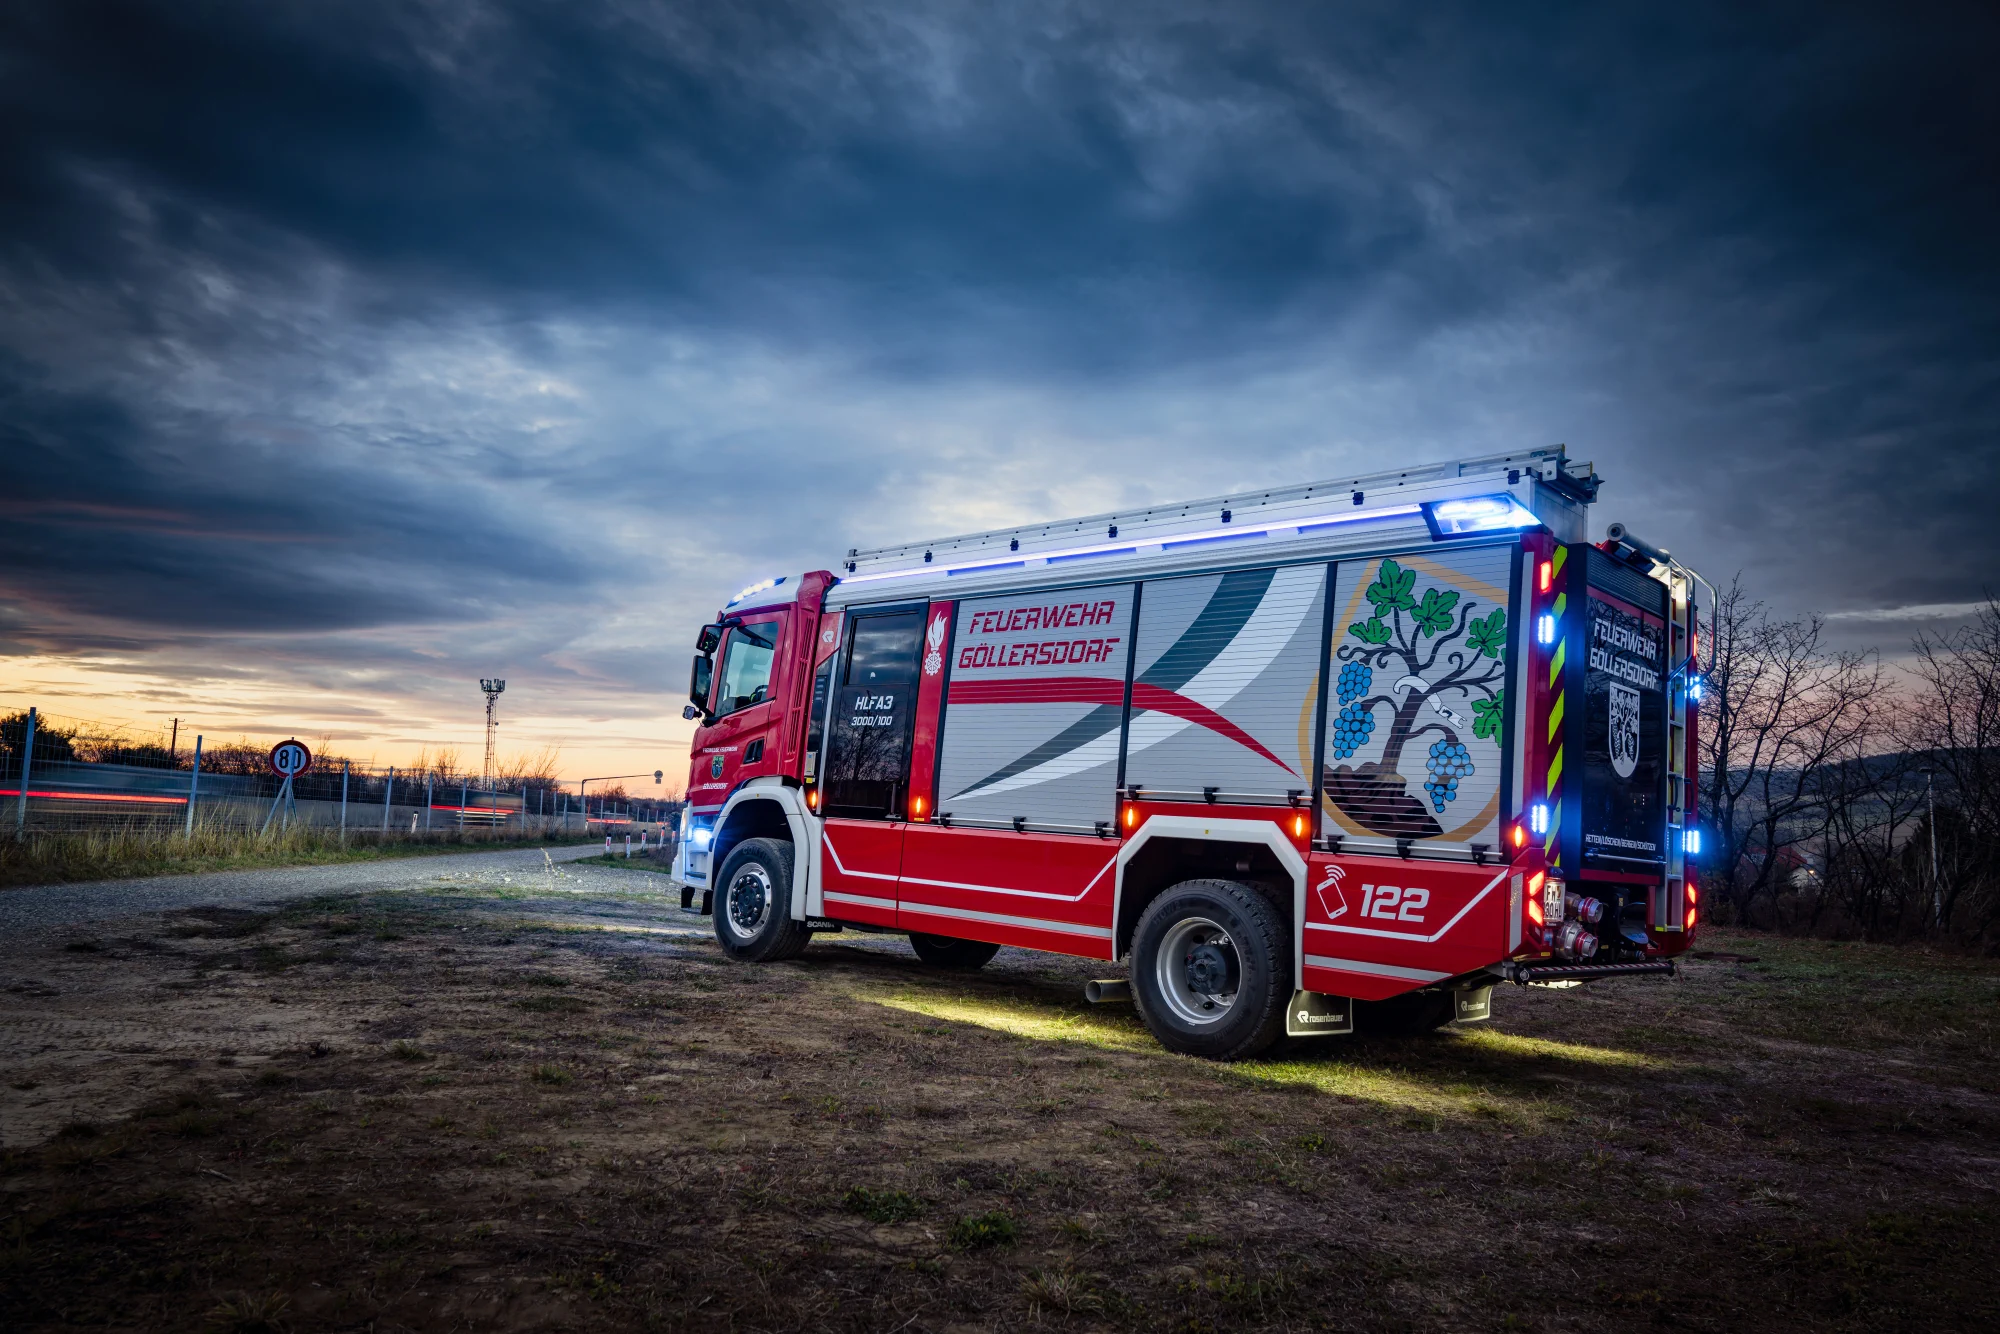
1557,656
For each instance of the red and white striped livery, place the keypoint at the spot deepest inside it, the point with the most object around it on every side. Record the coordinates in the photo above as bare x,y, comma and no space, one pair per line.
1338,752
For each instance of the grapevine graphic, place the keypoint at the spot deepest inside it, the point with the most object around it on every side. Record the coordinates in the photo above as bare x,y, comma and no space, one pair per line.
1428,652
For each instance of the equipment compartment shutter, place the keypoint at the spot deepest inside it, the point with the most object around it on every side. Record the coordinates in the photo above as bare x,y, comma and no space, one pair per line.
1415,735
1033,708
1223,695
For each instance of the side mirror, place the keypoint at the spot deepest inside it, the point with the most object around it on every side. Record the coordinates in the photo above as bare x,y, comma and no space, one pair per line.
708,641
700,681
690,711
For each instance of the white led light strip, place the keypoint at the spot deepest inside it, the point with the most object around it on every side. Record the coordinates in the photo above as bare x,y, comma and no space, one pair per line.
1132,545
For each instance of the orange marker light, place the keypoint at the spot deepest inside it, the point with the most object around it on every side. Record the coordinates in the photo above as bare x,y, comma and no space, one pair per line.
1298,826
1520,836
917,807
1131,816
1545,576
1690,925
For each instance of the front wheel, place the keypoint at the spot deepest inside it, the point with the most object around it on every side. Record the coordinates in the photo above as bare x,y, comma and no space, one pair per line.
753,903
1211,970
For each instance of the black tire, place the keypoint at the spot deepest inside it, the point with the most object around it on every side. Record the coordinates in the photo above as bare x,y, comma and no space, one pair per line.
950,952
753,903
1407,1016
1220,933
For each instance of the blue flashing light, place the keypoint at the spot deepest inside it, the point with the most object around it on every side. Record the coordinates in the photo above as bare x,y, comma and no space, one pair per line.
755,589
1545,628
703,837
1538,817
1695,687
1477,514
1691,841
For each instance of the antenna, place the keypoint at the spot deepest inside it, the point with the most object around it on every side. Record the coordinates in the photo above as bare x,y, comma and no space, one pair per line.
492,689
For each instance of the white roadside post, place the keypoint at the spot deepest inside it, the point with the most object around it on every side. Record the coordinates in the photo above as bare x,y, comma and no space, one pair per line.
194,787
343,788
387,789
429,779
27,767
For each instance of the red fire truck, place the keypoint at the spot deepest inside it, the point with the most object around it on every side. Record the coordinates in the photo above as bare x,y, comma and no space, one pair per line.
1352,750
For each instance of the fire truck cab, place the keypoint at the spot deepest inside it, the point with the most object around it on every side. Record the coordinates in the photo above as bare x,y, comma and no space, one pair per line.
1349,751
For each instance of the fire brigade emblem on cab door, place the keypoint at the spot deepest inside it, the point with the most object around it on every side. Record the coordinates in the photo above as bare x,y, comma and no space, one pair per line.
934,660
715,767
1624,729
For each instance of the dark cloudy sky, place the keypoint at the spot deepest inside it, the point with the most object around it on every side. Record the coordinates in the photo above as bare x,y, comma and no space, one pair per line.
351,351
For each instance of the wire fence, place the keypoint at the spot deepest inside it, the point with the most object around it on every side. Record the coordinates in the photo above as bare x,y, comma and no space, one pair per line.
62,774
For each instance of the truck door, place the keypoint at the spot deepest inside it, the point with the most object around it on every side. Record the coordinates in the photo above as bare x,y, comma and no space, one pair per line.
865,780
1620,735
739,743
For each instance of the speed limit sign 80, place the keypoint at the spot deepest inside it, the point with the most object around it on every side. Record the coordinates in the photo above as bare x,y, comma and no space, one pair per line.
290,758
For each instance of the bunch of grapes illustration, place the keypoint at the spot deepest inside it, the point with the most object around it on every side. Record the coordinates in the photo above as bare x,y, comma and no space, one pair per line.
1355,722
1448,762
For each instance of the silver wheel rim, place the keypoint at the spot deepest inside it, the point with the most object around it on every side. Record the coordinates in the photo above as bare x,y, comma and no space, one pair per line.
1171,968
747,902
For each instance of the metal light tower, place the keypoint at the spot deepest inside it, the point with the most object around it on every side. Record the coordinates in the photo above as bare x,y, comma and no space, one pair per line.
492,689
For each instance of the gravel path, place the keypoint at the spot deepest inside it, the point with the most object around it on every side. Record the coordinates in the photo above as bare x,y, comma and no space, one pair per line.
40,909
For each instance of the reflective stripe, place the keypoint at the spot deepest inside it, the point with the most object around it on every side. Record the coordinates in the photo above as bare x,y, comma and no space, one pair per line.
862,899
1411,936
827,838
1002,919
1374,969
1024,893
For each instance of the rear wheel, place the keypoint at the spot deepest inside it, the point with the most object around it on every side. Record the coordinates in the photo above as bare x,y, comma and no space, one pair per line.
753,903
1211,969
948,952
1409,1015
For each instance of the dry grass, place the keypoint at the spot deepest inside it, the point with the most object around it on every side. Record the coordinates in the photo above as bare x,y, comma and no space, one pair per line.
119,852
853,1142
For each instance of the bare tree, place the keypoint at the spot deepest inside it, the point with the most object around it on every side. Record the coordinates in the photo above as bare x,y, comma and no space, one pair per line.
1954,723
1781,711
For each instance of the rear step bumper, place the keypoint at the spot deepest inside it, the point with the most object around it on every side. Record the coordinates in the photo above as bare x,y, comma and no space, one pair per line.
1523,973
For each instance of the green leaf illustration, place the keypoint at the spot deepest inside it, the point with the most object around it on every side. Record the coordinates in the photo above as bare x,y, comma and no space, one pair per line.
1434,616
1489,636
1487,715
1373,631
1391,590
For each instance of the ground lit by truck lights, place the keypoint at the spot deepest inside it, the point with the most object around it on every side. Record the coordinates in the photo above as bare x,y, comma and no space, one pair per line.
548,1101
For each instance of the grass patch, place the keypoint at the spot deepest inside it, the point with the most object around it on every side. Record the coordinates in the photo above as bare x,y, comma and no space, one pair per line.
881,1206
977,1232
56,857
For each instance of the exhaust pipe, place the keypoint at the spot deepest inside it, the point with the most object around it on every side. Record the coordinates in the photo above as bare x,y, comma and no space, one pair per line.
1107,989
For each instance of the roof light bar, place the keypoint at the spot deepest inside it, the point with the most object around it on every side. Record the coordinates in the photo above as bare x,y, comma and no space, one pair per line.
755,589
1178,540
1477,514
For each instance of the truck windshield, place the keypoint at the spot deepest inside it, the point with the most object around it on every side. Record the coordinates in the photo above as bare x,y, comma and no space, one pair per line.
746,666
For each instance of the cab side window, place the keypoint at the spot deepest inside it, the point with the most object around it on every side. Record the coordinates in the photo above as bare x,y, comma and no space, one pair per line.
746,666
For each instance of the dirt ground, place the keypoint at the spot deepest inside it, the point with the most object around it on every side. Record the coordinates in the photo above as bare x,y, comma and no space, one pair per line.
547,1102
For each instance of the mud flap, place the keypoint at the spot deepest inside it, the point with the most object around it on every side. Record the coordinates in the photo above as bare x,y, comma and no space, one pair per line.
1471,1006
1314,1014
